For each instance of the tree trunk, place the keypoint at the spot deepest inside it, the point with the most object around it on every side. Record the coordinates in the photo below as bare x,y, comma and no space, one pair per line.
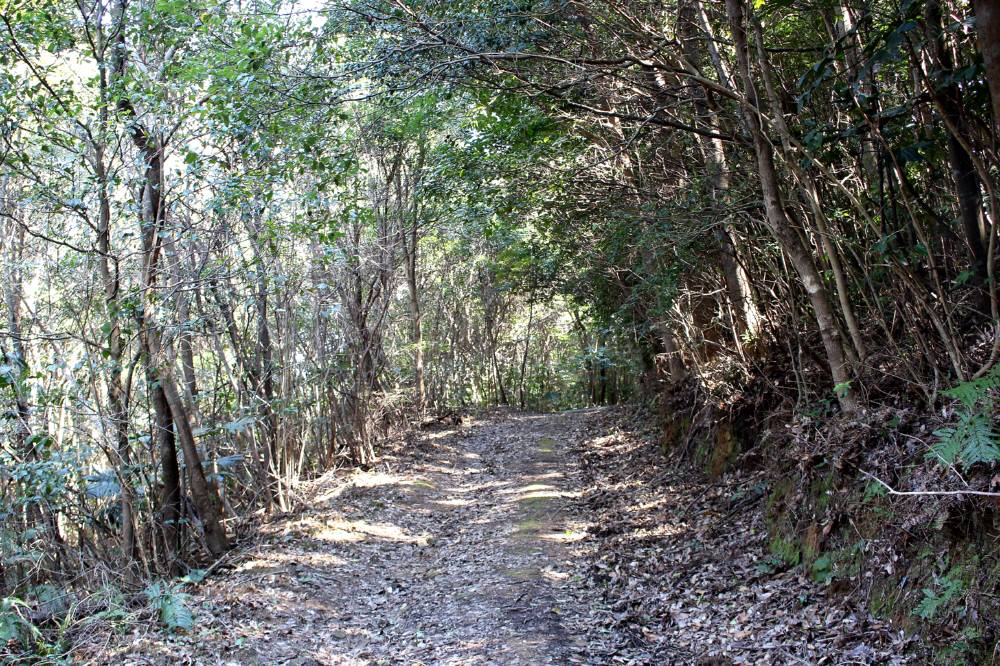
963,171
204,496
170,477
988,34
416,317
778,223
675,362
118,407
735,278
152,217
25,445
807,187
524,357
264,363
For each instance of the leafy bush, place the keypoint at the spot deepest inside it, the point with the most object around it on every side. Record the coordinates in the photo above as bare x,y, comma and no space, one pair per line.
14,626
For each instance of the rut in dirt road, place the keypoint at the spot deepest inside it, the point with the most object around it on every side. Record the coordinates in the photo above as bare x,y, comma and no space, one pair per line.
465,549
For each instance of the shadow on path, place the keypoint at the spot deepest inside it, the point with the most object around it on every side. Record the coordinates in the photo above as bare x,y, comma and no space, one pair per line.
465,549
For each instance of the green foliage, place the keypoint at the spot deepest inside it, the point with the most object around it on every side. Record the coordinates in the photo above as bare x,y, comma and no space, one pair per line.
103,485
962,650
949,587
45,478
14,625
839,563
787,550
842,389
171,605
874,490
770,565
972,439
976,391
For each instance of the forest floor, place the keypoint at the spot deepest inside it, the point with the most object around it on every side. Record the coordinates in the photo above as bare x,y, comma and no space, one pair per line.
514,539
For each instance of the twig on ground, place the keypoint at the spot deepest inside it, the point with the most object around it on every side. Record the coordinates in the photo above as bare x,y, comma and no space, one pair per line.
915,493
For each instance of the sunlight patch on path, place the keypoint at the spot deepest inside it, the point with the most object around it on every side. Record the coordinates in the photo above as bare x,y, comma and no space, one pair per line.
462,549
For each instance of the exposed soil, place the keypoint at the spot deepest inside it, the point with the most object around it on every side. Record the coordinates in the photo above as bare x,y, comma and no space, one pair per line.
464,548
514,539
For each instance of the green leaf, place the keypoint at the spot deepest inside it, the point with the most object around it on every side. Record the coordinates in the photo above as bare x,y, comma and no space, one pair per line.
13,625
194,576
964,277
225,462
947,447
980,445
973,391
971,441
174,613
171,606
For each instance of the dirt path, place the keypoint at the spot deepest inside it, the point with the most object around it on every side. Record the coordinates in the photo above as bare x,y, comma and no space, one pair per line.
466,549
521,540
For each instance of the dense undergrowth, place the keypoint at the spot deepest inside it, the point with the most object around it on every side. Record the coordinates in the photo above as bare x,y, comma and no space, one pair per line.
824,486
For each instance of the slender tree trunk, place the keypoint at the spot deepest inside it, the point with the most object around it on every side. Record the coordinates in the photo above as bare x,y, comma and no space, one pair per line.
151,221
735,278
524,357
185,347
264,362
152,216
675,361
204,496
170,476
24,444
807,187
416,330
118,408
778,223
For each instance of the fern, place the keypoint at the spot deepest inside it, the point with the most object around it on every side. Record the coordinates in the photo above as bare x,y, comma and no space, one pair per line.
13,624
972,439
951,587
948,446
980,445
972,392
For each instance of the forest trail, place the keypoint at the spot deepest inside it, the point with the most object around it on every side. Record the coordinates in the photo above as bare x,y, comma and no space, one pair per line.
464,547
517,539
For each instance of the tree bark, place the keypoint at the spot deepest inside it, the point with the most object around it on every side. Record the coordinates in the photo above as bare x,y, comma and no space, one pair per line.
170,476
675,362
204,496
152,218
778,223
416,317
736,281
963,171
524,357
988,34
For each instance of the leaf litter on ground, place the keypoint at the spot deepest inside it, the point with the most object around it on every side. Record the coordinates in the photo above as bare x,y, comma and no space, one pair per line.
515,539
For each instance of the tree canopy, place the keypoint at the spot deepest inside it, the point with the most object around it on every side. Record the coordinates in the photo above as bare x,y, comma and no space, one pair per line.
242,242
